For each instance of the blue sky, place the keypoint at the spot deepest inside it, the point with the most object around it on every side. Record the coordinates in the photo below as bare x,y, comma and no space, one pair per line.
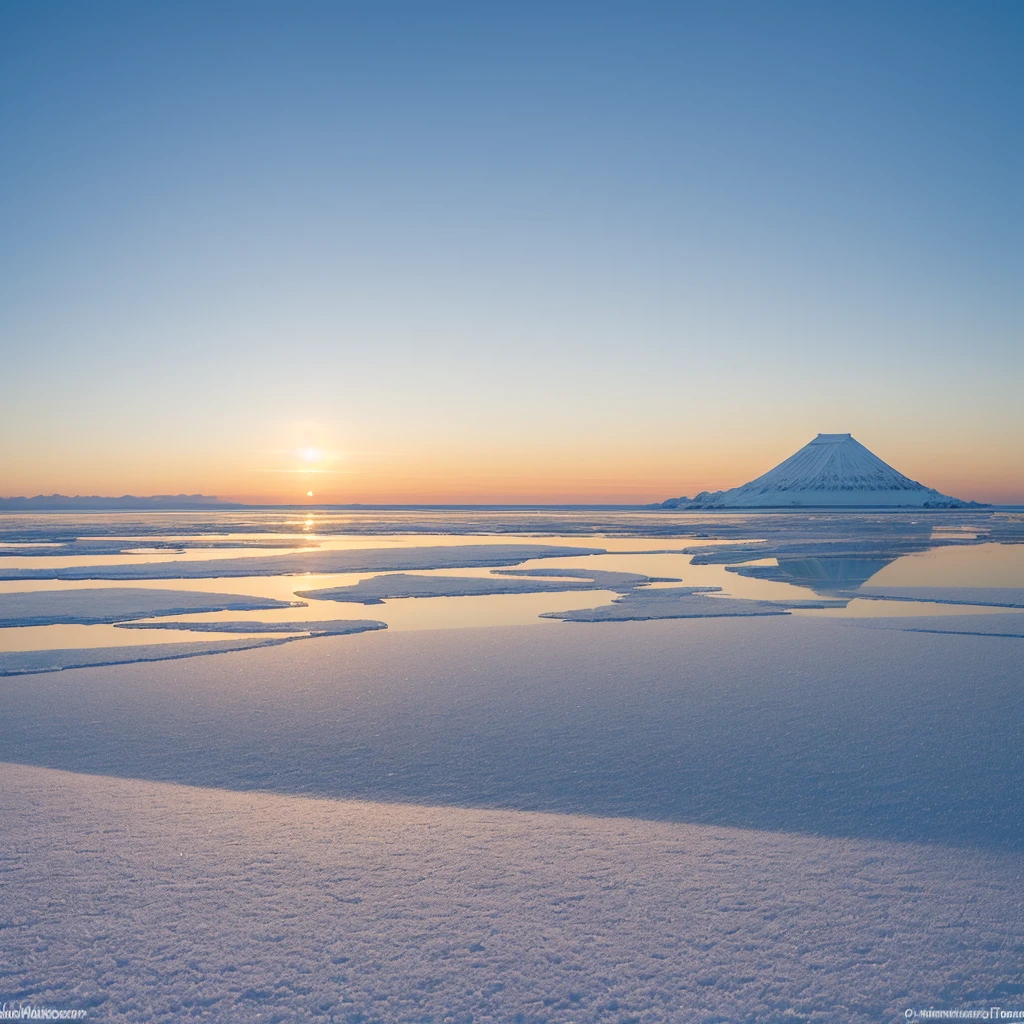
507,251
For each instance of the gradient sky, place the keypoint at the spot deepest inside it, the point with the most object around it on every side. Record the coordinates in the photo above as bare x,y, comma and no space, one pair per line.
507,251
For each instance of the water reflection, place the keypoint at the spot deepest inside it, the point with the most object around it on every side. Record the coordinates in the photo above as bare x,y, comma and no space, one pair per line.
942,565
823,575
766,557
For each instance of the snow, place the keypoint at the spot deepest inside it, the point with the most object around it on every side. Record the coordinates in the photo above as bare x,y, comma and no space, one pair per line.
755,817
381,588
152,902
318,562
831,470
755,820
115,604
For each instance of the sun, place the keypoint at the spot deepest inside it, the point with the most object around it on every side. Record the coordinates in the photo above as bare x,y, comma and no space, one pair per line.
309,494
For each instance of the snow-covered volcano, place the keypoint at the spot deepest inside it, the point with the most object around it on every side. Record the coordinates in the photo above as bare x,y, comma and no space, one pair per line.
832,470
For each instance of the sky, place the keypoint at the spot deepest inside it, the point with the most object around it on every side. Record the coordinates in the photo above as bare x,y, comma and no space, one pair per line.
507,252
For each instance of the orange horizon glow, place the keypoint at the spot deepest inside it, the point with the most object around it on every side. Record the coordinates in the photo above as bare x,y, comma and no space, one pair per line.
613,473
506,275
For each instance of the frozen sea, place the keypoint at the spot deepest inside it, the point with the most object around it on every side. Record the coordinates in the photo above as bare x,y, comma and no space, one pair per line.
510,765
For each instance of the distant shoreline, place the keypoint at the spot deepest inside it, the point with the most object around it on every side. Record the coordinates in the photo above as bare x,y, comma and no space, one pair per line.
7,507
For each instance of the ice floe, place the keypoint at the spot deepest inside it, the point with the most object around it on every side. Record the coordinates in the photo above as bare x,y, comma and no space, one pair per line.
683,603
92,548
317,562
327,627
18,663
116,604
381,588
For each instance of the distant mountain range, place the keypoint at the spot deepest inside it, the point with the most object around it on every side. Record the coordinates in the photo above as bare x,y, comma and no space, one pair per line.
95,503
832,471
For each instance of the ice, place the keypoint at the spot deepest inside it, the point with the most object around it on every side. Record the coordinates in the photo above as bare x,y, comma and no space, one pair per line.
774,723
583,523
743,819
381,588
316,562
326,627
18,663
115,604
90,547
602,579
683,603
760,818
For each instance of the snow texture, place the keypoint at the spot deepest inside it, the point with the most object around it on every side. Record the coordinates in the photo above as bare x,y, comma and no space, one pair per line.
381,588
327,627
831,470
51,607
141,901
683,603
316,562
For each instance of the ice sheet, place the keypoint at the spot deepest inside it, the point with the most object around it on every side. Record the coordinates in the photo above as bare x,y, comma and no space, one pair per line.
775,723
977,525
